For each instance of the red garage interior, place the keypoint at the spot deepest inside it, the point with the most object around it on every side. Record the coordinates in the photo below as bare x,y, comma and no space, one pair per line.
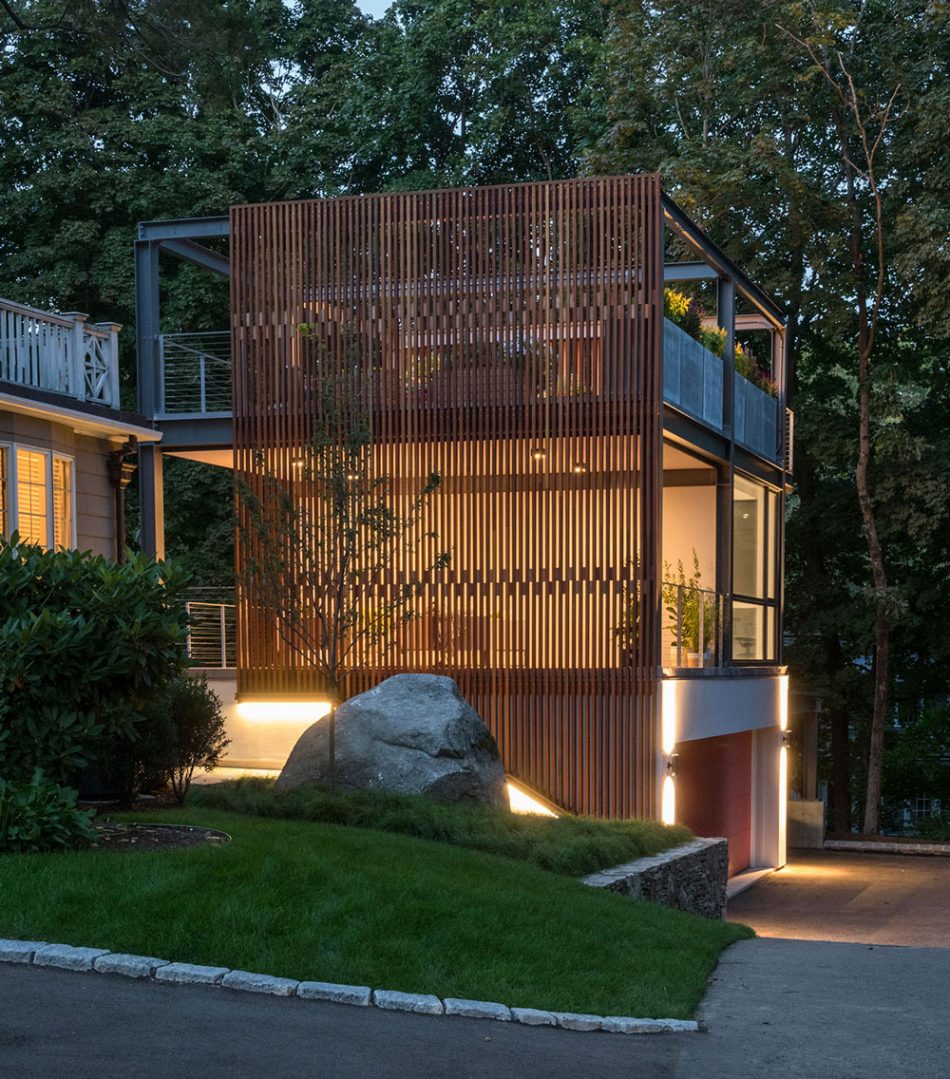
714,791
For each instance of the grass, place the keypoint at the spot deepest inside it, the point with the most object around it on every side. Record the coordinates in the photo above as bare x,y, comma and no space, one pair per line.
320,901
568,845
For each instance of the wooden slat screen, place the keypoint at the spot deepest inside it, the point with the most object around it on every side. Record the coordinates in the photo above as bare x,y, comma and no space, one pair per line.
509,338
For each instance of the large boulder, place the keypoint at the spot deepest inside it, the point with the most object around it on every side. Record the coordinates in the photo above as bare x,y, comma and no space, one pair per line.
412,734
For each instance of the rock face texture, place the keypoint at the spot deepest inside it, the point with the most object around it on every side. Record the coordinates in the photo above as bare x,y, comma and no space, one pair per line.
412,734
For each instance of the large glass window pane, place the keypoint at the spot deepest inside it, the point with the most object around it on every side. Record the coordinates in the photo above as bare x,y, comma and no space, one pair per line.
748,631
32,492
748,538
63,501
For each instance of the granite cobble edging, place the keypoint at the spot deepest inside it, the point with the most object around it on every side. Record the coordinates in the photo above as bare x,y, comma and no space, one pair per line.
691,877
102,961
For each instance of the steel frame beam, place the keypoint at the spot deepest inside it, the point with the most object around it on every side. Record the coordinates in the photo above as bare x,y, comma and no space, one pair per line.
198,255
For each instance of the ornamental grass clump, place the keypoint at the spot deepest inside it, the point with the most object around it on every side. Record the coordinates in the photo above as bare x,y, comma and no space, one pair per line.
567,845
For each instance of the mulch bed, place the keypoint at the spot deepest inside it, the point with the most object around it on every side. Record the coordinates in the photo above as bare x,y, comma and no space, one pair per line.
115,836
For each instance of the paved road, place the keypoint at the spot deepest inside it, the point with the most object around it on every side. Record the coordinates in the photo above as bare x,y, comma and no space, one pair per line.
61,1025
776,1008
844,896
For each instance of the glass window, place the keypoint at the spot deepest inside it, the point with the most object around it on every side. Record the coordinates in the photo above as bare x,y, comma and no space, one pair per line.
62,502
32,491
748,538
755,573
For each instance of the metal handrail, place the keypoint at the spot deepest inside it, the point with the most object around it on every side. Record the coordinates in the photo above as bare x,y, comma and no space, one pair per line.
700,619
195,371
212,638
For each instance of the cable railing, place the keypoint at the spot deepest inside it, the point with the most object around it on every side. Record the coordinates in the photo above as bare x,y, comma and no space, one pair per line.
195,373
692,626
212,637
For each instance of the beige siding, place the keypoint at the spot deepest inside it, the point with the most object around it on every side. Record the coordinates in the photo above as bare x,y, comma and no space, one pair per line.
95,527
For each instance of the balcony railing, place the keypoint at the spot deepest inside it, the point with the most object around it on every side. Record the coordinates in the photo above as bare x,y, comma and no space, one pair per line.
59,353
692,376
196,380
212,638
692,626
195,373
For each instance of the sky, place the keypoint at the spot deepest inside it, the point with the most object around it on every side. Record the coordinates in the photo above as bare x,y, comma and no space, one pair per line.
373,7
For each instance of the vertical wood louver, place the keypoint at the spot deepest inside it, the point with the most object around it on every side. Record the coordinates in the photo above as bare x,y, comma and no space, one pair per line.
509,338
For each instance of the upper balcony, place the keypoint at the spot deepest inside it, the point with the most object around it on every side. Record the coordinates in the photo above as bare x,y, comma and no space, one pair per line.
195,381
60,354
569,360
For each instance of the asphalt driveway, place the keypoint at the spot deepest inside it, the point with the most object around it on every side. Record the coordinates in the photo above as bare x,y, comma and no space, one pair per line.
859,898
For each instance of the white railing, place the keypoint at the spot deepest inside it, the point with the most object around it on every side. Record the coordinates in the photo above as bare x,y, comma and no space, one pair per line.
211,634
195,373
59,353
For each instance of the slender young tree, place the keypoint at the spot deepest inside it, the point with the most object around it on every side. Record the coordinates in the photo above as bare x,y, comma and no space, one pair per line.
328,551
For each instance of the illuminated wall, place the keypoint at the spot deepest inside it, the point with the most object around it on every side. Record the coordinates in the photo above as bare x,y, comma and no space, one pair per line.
507,338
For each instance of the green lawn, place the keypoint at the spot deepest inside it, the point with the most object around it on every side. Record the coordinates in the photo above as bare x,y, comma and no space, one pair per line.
321,901
570,845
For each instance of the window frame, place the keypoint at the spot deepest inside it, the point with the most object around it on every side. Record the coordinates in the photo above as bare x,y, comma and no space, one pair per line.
11,493
771,575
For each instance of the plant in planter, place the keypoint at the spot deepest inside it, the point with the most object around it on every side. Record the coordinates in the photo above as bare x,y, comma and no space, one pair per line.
689,608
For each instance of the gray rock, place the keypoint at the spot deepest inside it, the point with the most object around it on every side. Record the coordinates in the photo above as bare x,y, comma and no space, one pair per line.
190,974
573,1021
477,1009
20,951
67,957
361,995
131,966
411,734
534,1017
421,1003
259,983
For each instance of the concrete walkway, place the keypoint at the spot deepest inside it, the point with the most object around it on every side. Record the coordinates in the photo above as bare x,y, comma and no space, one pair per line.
843,896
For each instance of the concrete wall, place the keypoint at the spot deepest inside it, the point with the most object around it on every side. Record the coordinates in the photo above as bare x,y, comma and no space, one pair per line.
713,706
95,528
255,743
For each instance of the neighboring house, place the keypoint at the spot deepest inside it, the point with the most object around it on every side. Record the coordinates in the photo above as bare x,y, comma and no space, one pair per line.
63,438
514,339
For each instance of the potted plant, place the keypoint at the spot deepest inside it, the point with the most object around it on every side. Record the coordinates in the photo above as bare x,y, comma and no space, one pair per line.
688,607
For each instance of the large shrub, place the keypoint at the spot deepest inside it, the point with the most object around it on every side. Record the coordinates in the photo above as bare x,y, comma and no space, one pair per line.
86,644
38,815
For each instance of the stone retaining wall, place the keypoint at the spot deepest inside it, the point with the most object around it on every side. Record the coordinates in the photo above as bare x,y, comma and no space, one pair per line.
691,878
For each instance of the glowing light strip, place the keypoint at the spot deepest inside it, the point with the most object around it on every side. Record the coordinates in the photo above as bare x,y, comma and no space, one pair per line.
283,711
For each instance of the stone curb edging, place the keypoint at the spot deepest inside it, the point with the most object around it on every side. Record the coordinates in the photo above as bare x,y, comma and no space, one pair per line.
67,957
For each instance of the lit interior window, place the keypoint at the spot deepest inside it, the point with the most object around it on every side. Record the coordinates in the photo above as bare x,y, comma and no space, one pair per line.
32,491
62,502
